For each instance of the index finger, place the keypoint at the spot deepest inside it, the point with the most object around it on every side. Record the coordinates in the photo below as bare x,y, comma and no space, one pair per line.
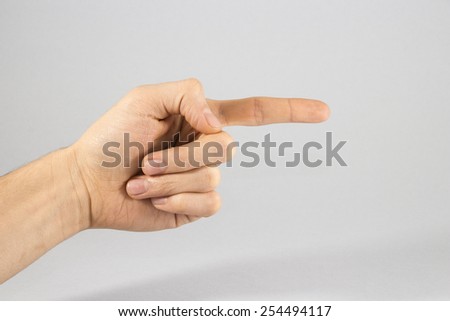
255,111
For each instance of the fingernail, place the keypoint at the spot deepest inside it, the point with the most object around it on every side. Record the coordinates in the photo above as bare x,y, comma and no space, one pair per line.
159,200
212,119
155,166
137,186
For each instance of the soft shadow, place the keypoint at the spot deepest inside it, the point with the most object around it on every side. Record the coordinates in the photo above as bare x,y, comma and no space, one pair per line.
378,274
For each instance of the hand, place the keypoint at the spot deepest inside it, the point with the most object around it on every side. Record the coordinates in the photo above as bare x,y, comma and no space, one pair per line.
64,192
165,197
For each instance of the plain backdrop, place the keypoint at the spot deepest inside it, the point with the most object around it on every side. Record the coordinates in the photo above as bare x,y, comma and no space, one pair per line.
378,229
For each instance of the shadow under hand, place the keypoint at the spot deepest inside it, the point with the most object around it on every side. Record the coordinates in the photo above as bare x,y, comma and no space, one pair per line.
396,273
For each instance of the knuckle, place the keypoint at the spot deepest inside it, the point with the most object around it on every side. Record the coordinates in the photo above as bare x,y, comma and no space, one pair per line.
212,177
162,186
258,111
213,203
194,84
227,139
135,92
227,144
185,159
138,91
138,97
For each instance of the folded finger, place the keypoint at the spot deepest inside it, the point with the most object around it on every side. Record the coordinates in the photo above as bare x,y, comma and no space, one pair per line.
196,204
210,149
203,179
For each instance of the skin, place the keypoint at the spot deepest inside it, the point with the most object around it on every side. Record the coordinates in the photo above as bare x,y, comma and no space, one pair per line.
68,191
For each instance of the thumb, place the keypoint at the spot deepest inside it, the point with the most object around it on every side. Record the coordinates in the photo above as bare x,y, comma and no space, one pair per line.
186,98
194,107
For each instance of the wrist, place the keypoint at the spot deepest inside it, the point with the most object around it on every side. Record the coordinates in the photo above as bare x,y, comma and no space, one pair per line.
42,204
75,206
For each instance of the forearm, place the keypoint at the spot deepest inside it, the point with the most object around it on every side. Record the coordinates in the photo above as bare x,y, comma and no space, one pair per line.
41,204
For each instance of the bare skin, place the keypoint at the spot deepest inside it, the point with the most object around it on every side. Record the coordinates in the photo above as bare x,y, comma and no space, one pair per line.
68,191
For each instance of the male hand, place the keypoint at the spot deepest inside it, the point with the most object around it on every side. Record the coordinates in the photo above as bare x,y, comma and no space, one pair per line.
72,189
159,197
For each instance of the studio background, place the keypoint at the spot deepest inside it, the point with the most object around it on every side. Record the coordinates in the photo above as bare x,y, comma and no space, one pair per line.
378,229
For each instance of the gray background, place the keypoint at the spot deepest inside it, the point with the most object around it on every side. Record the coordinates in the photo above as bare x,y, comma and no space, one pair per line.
377,229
